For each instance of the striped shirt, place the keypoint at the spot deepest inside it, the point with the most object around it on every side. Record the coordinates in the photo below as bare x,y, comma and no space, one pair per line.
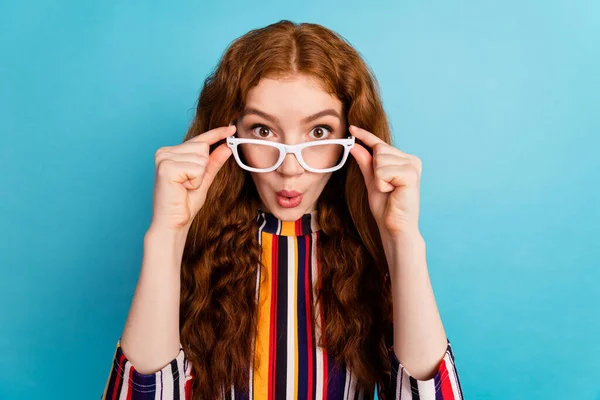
290,364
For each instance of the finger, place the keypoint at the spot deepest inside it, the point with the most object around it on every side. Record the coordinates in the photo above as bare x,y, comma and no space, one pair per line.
392,176
384,159
188,147
189,174
376,143
365,162
214,135
365,136
188,157
384,148
171,154
216,160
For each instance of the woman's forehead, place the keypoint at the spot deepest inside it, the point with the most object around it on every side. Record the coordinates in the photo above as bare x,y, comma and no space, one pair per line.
298,93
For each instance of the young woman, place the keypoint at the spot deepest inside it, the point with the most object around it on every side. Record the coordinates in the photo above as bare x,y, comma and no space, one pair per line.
294,269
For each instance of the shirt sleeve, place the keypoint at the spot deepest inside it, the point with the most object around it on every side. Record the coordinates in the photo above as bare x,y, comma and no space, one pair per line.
445,385
173,381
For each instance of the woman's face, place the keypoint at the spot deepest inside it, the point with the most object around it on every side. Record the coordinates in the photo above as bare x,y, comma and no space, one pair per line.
277,110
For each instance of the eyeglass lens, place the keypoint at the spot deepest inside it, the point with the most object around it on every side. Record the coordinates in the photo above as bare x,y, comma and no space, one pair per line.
265,156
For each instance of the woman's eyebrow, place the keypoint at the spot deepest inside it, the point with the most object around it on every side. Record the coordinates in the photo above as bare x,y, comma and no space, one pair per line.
274,119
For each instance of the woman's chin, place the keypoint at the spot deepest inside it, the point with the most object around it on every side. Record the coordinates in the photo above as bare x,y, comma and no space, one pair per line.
288,214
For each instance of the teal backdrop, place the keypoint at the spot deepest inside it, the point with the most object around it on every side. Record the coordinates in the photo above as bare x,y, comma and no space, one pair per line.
500,100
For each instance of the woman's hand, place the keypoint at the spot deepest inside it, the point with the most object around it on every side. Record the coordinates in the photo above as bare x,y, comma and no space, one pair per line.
392,178
183,176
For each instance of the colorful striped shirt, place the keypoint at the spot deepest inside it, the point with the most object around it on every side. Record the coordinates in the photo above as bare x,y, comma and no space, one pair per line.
290,364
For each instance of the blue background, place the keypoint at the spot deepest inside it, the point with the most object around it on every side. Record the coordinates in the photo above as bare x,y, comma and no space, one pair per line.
499,99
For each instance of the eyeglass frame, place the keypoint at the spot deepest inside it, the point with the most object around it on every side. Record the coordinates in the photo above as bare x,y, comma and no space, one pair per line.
296,149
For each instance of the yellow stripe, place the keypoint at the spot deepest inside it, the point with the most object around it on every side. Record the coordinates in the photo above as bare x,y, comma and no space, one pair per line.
288,228
261,374
295,241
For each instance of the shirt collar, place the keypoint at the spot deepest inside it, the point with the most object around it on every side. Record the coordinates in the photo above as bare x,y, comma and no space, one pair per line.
306,224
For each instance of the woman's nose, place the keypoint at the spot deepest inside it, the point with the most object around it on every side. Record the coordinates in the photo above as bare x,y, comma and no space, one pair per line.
290,165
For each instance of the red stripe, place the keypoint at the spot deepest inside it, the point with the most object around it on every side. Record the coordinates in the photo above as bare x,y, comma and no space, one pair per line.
188,389
273,327
308,318
118,378
188,385
325,377
130,391
298,227
446,385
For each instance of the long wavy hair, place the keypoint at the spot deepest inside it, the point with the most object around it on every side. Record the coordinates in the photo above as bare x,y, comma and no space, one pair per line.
222,253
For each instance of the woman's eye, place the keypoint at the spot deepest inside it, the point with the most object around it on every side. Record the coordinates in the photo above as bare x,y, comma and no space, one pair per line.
319,131
263,130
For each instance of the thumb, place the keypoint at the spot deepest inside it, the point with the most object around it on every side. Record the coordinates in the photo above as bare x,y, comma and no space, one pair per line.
365,162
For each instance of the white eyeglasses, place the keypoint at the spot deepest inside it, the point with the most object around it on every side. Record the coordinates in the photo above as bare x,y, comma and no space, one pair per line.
320,156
